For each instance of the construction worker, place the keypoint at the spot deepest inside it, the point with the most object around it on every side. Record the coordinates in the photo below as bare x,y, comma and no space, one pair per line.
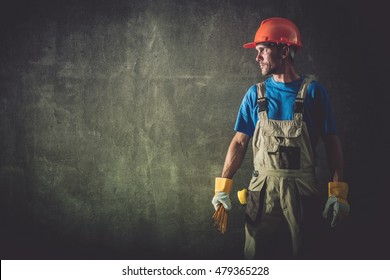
286,115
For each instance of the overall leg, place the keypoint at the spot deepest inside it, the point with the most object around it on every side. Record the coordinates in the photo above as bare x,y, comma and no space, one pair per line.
267,237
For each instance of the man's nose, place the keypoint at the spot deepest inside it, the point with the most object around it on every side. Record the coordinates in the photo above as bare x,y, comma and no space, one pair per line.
259,57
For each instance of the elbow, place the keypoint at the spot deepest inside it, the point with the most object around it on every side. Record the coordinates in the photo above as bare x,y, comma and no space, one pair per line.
241,140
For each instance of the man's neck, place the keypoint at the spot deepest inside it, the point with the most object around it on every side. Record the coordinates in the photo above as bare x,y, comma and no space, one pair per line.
289,74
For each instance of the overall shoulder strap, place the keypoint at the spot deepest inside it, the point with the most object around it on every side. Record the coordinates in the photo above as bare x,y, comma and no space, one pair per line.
299,100
261,100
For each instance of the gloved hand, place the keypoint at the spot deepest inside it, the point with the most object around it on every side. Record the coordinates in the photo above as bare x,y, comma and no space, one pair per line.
337,202
223,186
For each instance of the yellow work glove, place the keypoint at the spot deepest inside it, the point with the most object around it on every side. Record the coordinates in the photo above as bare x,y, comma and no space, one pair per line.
337,203
223,186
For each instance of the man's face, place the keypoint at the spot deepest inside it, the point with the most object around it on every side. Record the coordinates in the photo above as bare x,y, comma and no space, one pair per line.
269,59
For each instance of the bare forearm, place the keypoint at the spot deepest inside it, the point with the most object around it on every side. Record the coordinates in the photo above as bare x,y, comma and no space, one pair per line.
335,157
235,155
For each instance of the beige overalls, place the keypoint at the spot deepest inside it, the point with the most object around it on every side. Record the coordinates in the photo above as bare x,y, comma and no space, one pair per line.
283,173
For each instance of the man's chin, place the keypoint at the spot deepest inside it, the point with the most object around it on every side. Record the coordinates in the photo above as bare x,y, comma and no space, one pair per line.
264,73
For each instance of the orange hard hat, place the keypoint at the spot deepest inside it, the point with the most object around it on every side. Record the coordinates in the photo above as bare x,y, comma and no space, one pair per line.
277,30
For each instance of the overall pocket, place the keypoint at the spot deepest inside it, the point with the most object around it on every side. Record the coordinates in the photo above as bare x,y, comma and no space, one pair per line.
253,207
255,199
289,157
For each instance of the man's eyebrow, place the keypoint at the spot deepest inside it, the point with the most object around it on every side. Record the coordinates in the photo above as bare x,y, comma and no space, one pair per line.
262,47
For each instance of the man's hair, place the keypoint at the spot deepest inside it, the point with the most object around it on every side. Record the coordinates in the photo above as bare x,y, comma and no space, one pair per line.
293,49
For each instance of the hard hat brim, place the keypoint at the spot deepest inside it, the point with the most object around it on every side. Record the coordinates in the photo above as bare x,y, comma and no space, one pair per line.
250,45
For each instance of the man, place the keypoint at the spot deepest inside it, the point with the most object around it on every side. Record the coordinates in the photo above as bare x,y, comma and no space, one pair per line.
286,115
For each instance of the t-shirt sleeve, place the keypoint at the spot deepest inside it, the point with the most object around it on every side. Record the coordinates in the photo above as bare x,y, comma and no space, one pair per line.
245,122
323,117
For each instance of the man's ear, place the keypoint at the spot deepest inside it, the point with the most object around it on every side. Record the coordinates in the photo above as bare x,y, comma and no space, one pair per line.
285,52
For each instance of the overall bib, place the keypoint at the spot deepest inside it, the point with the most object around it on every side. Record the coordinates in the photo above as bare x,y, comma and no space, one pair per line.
284,172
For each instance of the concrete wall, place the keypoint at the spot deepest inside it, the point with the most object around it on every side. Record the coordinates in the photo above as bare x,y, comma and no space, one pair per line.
116,117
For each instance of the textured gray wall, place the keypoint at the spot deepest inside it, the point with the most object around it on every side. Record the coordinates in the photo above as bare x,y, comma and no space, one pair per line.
116,117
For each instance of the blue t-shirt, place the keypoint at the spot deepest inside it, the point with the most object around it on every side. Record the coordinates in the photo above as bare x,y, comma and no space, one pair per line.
281,97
